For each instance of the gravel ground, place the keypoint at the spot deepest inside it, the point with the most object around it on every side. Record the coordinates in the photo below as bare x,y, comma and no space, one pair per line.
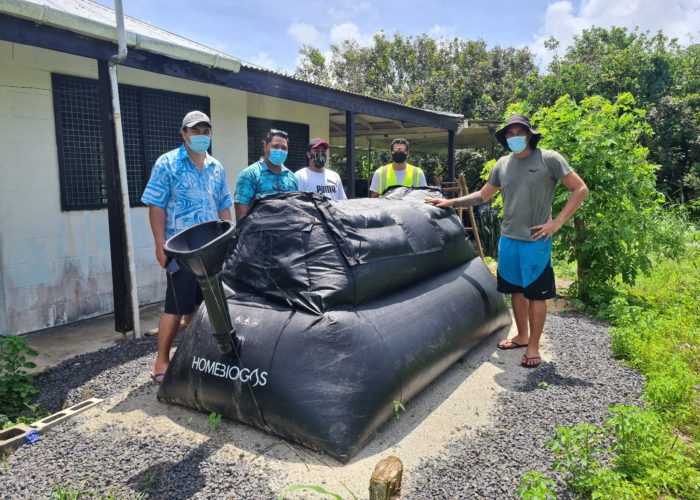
131,445
583,381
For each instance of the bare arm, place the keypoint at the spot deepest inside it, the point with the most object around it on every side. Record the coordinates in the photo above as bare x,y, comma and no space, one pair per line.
579,191
225,214
241,210
476,198
156,216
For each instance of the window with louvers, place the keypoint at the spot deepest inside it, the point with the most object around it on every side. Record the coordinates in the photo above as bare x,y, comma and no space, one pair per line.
298,140
151,122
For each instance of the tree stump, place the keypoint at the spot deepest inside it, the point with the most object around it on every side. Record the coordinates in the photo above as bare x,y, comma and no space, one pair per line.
385,483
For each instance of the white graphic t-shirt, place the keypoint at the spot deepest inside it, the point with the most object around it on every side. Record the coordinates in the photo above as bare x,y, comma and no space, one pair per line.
326,183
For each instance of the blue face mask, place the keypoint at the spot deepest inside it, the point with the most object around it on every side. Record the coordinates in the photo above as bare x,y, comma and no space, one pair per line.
277,156
199,143
517,144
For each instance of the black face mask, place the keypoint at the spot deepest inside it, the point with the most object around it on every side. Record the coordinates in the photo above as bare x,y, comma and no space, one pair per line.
399,156
320,160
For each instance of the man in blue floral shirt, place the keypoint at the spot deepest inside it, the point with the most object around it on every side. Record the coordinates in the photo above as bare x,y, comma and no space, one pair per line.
266,176
187,187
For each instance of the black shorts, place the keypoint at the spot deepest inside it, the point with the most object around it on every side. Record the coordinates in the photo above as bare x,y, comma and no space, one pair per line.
183,294
542,288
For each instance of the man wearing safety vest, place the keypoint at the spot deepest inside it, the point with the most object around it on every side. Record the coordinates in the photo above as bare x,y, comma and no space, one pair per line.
397,173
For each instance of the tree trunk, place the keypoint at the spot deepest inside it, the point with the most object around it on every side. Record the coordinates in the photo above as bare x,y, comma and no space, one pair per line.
386,479
582,263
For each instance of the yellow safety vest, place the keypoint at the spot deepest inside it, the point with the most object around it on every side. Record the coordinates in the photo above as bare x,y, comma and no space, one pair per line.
387,177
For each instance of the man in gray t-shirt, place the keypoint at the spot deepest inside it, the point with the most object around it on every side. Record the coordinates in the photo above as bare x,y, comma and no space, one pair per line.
527,179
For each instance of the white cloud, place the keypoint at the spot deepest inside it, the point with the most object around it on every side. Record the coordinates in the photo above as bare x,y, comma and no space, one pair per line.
347,31
350,9
306,34
263,59
441,32
676,18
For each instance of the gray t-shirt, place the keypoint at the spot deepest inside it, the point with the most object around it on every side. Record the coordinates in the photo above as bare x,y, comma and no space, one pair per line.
527,187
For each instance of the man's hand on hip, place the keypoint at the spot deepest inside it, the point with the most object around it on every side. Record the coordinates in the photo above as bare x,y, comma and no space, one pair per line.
545,230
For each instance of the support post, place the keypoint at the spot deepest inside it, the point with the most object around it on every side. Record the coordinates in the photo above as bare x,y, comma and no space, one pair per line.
451,154
350,151
123,317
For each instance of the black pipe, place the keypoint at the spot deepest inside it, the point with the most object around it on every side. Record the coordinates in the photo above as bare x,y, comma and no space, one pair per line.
202,249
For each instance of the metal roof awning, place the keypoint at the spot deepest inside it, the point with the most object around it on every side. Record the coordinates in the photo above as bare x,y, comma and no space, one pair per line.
377,132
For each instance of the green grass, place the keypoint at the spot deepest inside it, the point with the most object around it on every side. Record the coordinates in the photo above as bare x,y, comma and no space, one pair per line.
656,330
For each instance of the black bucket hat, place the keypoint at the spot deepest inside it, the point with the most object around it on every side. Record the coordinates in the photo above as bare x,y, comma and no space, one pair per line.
519,120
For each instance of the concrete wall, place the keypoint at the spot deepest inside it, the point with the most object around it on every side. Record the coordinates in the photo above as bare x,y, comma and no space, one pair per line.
55,266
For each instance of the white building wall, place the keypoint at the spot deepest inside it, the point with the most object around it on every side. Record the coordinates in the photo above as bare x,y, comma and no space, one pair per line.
55,266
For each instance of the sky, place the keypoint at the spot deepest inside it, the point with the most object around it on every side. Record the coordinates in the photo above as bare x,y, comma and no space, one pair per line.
270,33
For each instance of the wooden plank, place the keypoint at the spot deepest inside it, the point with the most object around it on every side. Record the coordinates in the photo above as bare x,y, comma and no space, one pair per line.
474,229
27,32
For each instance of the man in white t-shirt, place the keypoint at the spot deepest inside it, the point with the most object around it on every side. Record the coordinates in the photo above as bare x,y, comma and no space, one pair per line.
316,178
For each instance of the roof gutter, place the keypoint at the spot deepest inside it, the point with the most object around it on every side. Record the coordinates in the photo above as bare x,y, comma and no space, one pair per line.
121,162
43,14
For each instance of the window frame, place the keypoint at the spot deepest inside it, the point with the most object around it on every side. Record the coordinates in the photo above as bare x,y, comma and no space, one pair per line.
143,171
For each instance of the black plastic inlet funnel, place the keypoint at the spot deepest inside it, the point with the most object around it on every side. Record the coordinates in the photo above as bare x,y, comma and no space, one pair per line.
202,249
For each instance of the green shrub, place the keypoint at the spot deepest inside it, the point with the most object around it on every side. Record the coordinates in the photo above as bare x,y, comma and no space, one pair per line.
535,486
645,459
16,386
577,452
647,454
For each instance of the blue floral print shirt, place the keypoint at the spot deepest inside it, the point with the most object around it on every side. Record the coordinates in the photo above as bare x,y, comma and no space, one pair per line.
188,196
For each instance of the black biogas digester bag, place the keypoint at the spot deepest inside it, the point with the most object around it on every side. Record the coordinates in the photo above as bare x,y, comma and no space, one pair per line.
335,311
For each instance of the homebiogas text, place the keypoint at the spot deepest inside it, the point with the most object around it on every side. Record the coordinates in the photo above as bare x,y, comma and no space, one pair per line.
231,372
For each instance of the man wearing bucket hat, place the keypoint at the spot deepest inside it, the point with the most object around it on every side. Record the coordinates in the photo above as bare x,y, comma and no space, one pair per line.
527,179
187,187
315,177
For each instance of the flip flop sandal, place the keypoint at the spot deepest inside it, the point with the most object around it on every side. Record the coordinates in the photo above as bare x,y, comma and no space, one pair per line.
509,344
157,377
526,361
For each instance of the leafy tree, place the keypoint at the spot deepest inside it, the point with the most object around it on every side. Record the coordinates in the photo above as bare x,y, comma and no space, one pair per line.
461,76
312,66
608,62
662,77
676,147
675,119
615,231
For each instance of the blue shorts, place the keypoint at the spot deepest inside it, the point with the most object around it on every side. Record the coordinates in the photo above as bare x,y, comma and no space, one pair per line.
526,267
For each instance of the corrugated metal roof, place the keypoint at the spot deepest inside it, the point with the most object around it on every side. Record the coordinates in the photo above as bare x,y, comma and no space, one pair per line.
291,77
99,13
